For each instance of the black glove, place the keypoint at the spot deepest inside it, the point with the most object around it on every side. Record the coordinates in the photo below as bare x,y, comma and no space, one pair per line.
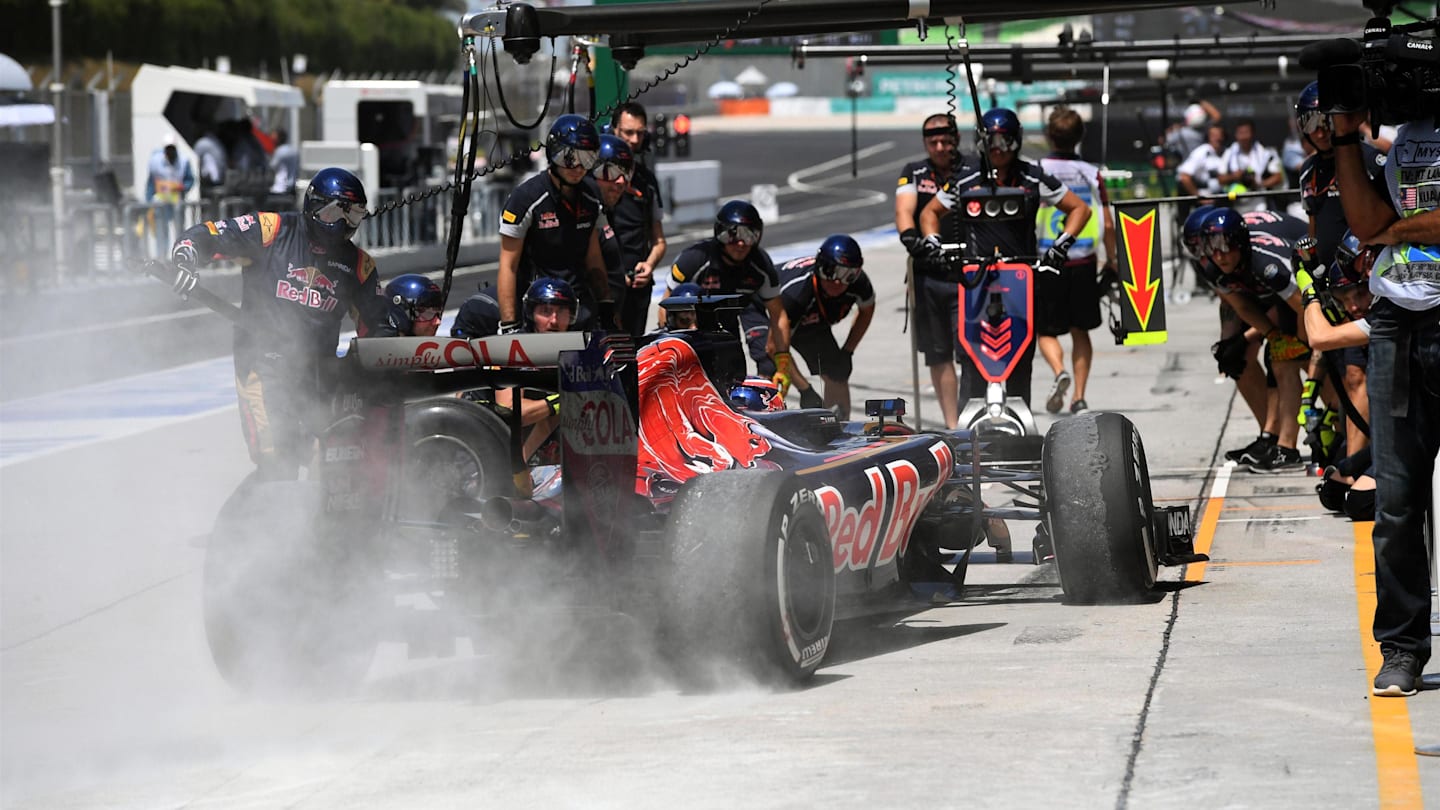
930,247
1058,253
1230,355
839,369
1108,280
509,327
606,312
810,399
910,238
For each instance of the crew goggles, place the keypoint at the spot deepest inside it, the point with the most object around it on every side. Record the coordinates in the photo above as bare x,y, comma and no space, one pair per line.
336,210
426,313
612,171
841,273
739,233
1194,247
1216,243
1001,141
1312,121
569,157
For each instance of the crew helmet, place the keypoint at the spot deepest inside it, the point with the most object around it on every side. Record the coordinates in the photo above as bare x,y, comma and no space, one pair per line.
738,221
413,297
572,142
839,259
334,206
757,394
1000,129
547,290
1222,230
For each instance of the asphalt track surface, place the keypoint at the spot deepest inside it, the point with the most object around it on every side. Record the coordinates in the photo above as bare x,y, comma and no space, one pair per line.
1244,683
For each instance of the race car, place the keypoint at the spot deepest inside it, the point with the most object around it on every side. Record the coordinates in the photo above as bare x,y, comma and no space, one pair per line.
736,535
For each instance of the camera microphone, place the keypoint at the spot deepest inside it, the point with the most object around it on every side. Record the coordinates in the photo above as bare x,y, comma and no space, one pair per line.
1330,52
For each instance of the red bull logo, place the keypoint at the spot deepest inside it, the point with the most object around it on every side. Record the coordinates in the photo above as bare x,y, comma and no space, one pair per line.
898,494
312,289
686,429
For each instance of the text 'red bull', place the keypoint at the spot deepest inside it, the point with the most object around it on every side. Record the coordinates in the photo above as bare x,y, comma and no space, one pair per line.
887,515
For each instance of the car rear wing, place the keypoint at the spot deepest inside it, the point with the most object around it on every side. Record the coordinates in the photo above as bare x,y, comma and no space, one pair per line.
521,351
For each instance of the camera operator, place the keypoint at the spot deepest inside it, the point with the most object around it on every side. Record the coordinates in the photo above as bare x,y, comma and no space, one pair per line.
1404,373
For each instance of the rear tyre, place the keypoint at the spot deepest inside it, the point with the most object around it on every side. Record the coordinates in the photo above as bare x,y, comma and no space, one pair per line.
1097,496
292,604
459,455
751,581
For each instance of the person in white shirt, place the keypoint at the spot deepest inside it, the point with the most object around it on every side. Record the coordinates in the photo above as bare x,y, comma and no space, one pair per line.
1248,165
1199,174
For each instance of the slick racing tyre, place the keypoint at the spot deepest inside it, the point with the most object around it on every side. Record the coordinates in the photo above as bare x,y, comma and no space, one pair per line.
751,576
459,455
291,605
1097,497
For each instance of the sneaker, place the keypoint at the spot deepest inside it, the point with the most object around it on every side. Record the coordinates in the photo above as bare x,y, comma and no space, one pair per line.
1398,675
1079,406
1057,392
1251,452
1278,459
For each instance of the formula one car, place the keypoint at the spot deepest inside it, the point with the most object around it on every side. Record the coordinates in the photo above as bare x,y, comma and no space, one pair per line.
736,535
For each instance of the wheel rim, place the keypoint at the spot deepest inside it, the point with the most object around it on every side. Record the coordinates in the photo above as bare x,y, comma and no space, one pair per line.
806,578
441,469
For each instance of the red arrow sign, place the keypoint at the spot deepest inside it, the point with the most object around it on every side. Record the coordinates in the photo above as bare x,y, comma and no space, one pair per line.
1139,236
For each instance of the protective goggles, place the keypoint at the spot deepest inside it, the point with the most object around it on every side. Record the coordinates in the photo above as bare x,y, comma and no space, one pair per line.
336,210
426,313
1193,247
1216,243
739,233
1312,121
841,273
613,171
931,132
1000,140
569,157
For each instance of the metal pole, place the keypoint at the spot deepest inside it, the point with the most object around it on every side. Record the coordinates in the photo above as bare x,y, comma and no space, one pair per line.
57,146
1105,116
854,135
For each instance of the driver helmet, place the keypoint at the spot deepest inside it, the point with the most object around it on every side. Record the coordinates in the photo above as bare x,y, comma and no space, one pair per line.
1190,232
1000,129
839,259
680,314
1308,117
414,299
757,394
614,160
550,291
334,206
738,221
1222,230
572,143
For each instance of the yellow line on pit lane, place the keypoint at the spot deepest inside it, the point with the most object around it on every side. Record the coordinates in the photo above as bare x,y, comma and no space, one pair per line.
1195,572
1397,771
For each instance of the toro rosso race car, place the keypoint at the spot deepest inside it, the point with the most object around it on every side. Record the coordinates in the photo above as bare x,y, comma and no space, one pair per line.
736,535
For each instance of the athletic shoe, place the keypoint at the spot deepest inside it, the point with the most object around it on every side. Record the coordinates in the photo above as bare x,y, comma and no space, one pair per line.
1079,406
1251,452
1057,392
1398,675
1278,459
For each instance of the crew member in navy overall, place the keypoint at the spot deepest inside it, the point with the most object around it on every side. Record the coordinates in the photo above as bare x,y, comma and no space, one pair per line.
732,261
1001,139
636,220
547,228
932,299
818,292
303,275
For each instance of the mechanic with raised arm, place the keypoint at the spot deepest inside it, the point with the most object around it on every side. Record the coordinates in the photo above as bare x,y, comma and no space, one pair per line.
548,227
1319,193
1251,271
1001,136
931,298
732,261
303,275
817,292
1068,301
636,221
415,305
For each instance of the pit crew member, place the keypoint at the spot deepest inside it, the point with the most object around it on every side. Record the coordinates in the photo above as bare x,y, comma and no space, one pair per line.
303,275
636,220
415,305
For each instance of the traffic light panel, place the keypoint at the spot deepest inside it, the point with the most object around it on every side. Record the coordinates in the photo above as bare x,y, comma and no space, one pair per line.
682,135
660,138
